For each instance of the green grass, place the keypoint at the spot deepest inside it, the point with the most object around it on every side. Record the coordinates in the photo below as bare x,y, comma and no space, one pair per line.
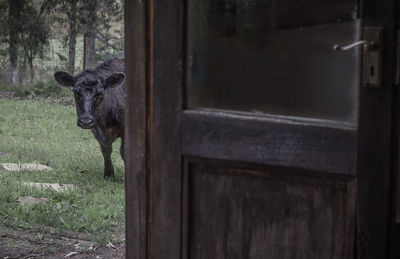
45,132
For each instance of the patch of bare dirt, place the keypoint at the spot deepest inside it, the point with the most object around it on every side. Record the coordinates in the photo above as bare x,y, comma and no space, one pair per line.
18,243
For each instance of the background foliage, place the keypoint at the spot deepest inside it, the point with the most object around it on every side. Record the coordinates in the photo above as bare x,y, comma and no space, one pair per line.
51,35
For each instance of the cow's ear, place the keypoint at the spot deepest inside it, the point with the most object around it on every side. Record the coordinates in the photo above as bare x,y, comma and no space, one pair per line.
114,80
64,79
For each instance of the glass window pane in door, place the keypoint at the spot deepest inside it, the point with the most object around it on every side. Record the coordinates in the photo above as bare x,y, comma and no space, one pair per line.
273,57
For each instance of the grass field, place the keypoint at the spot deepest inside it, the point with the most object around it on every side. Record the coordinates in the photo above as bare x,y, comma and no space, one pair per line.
45,132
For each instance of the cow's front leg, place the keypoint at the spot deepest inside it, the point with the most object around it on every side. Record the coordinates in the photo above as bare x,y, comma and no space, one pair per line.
122,149
106,149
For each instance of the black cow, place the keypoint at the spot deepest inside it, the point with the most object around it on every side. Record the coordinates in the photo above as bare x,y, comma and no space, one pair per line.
100,104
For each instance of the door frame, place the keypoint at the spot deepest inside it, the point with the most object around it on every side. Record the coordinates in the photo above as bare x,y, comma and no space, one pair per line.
160,23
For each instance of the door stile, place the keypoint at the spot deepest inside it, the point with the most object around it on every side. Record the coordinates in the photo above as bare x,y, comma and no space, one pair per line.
136,128
165,92
395,250
374,164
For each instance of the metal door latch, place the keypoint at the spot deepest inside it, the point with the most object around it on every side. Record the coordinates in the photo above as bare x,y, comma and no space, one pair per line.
372,56
365,43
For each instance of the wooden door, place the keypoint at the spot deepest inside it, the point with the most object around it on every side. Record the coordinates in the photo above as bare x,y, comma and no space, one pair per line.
249,136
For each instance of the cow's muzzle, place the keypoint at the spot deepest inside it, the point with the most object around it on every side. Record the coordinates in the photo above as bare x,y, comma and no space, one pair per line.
86,122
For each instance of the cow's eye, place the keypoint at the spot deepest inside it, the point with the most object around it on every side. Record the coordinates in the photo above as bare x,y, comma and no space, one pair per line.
99,97
77,95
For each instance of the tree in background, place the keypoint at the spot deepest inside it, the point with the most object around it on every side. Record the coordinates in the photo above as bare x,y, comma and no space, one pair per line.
67,12
15,8
98,18
34,36
93,18
4,52
25,32
27,27
73,31
89,19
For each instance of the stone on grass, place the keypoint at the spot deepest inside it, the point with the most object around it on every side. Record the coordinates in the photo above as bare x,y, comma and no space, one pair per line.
4,154
26,200
55,186
29,167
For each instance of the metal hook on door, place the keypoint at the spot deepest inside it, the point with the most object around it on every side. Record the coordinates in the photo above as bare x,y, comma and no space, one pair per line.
365,43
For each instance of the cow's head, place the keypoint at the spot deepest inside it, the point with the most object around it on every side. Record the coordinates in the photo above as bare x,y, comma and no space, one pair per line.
89,92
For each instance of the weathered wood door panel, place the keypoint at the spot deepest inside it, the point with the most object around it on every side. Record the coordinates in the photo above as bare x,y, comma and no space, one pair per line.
250,137
266,213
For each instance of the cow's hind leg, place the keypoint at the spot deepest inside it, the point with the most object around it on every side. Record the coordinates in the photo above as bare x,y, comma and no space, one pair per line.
108,166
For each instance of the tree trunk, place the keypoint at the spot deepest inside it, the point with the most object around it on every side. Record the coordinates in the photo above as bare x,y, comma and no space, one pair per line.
31,69
14,12
72,36
89,48
23,70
